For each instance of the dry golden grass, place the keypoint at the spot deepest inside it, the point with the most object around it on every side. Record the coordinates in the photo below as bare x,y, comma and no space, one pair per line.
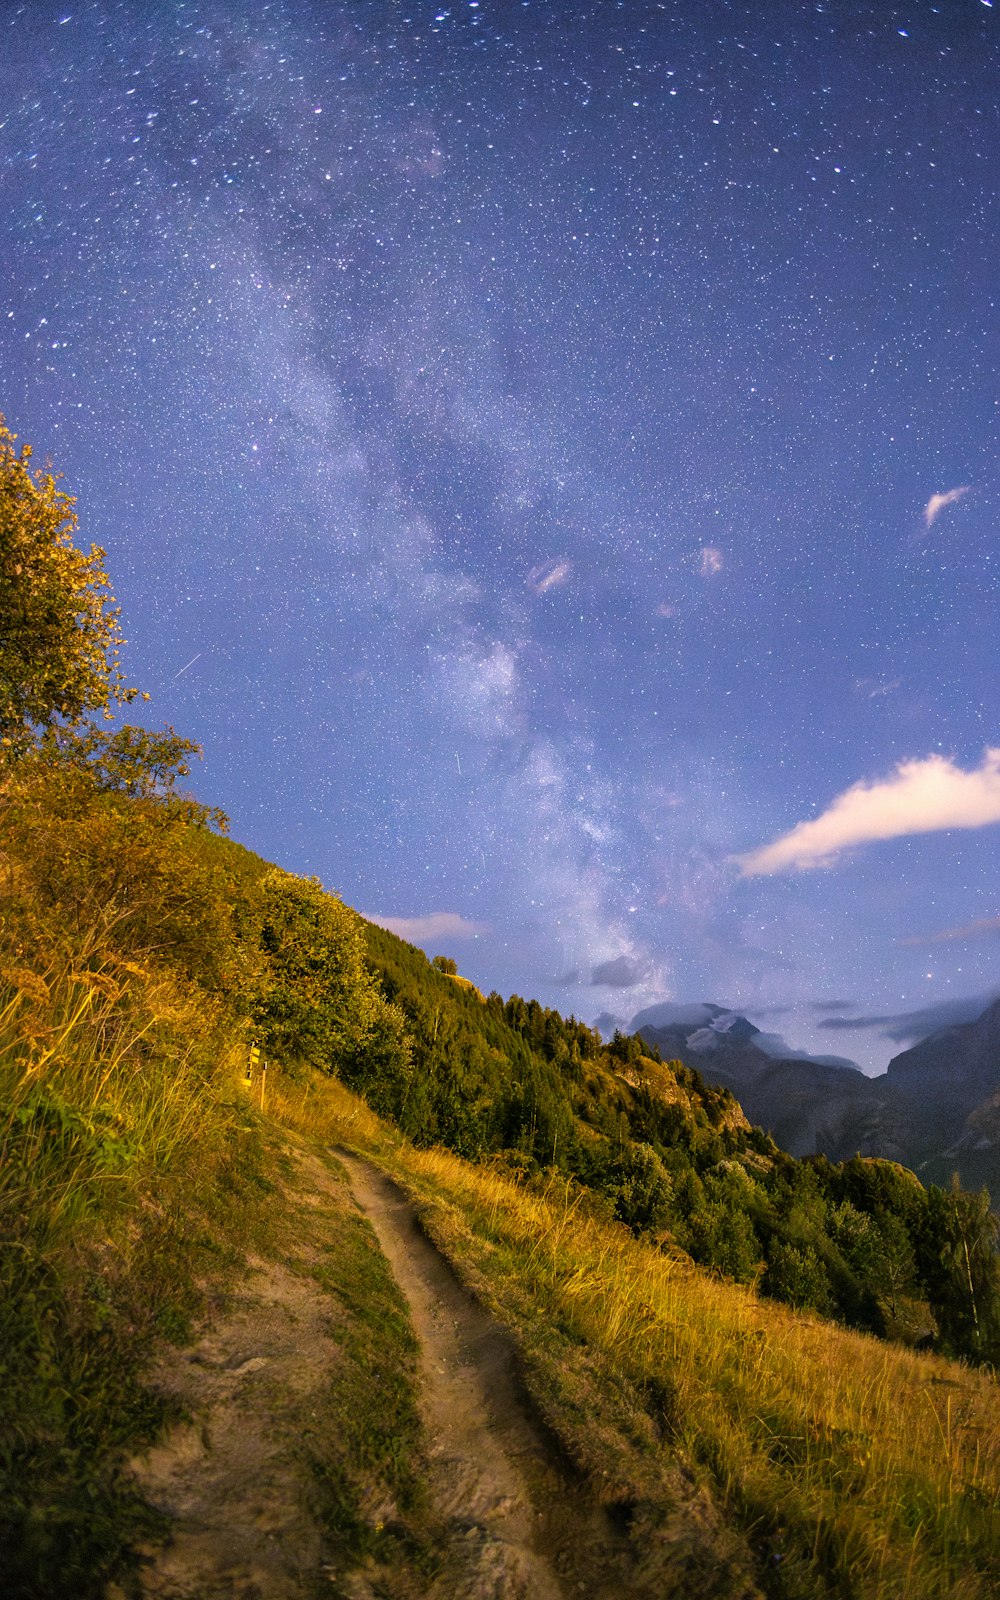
855,1467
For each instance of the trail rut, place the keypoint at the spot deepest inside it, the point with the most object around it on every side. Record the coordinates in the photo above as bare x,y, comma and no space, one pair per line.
485,1453
513,1523
520,1524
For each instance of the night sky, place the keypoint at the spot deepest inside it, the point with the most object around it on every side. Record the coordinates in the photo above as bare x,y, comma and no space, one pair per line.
547,456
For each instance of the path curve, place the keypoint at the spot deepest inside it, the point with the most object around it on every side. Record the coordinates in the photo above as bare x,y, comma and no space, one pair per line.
486,1454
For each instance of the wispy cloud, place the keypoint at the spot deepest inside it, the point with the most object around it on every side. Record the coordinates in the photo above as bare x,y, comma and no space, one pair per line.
549,575
982,928
621,973
710,561
937,502
906,1026
877,688
435,925
920,797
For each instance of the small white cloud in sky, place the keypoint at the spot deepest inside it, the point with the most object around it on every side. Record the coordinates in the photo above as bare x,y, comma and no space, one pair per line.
982,928
435,925
549,575
667,609
937,502
877,688
709,561
921,797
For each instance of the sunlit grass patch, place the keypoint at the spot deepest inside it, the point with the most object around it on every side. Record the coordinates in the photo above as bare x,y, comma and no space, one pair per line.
126,1162
853,1467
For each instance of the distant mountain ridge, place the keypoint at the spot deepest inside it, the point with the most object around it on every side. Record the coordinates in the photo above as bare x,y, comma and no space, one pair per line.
936,1109
712,1021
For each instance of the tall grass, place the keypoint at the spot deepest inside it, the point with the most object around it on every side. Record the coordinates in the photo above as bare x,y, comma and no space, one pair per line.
118,1126
861,1467
97,1080
855,1468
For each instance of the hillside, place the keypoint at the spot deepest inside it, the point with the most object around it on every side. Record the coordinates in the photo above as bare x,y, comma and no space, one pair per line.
678,1350
142,952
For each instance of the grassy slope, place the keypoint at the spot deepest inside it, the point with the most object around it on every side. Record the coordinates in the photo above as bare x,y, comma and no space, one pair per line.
134,1176
854,1467
134,1179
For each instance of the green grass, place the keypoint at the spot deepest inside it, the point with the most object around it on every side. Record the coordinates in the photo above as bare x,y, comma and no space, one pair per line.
128,1172
852,1468
365,1448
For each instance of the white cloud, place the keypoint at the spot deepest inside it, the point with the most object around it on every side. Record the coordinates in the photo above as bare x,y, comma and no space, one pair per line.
877,688
435,925
920,797
549,575
709,561
937,502
982,928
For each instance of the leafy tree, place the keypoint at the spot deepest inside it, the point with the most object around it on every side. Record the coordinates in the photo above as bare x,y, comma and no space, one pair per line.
380,1066
104,865
313,999
721,1235
639,1185
446,964
962,1270
59,630
796,1274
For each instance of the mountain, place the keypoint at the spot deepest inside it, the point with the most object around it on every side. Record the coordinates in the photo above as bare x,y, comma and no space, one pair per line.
711,1021
936,1109
806,1104
950,1084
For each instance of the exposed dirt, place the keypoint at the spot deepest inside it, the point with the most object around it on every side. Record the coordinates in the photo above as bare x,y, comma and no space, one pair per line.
519,1524
484,1451
514,1523
231,1482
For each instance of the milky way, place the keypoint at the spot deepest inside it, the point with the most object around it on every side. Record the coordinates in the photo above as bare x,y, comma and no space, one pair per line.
547,454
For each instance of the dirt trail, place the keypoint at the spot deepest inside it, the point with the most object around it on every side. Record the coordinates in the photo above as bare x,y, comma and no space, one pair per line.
521,1526
484,1449
514,1525
231,1482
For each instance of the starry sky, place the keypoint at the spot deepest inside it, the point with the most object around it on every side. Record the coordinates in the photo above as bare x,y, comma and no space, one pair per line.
547,457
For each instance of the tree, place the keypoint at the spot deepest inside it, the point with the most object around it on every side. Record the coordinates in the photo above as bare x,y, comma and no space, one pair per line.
59,630
104,865
446,964
312,999
797,1275
961,1268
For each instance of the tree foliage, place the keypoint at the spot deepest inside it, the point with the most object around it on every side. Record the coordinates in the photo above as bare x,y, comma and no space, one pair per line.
59,625
314,1002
